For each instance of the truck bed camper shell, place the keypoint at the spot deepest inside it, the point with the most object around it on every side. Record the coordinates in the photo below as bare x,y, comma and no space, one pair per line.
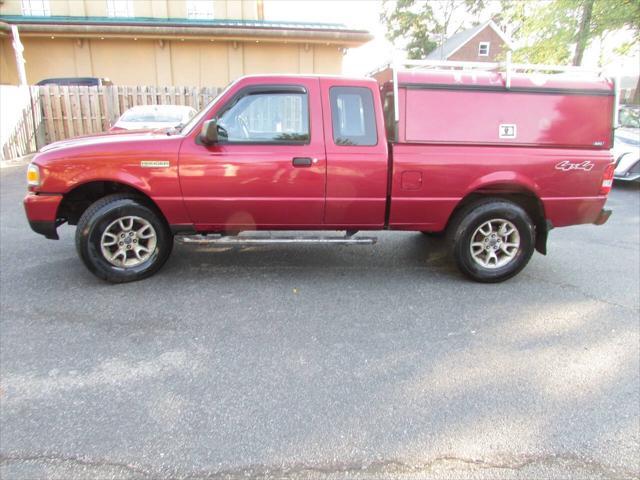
484,104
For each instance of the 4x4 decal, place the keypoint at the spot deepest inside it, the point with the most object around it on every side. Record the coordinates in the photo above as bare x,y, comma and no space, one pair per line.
566,166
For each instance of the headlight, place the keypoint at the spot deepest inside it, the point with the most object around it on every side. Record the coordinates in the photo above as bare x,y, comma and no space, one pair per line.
33,175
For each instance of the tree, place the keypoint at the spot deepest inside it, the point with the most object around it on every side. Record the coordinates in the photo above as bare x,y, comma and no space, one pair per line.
560,31
412,23
582,37
550,31
422,26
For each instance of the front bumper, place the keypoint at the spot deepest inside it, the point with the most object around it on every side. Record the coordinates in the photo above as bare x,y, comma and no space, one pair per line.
602,217
42,210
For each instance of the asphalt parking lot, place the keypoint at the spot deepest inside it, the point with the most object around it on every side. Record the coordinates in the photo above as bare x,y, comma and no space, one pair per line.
320,361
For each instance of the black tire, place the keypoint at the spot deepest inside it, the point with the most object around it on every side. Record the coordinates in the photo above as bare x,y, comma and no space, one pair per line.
99,216
470,218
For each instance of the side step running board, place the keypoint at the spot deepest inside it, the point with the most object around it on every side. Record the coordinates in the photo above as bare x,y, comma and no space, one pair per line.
271,240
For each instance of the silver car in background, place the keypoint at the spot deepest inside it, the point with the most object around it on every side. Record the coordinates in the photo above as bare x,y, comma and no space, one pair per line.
151,117
626,145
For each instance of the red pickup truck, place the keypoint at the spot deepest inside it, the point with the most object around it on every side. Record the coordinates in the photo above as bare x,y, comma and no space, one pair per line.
495,159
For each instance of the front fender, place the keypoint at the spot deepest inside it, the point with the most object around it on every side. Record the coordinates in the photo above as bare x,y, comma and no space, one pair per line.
157,178
62,178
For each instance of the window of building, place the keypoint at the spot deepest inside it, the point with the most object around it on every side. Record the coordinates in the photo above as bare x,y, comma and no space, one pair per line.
483,49
120,8
273,117
353,116
39,8
200,9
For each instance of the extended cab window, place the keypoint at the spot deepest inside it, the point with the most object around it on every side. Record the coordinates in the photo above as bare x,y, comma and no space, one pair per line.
278,117
353,116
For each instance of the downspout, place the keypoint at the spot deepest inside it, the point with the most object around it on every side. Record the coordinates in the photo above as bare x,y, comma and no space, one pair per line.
18,48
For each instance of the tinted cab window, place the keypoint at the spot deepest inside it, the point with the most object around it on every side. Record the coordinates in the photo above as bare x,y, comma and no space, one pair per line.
352,116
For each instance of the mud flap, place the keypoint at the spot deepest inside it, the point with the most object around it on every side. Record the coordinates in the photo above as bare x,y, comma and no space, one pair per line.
542,233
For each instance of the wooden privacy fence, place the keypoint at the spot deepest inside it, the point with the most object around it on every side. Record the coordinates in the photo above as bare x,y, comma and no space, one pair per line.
61,112
70,111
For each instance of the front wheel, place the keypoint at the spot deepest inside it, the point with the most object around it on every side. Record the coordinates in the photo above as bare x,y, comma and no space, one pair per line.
493,240
120,239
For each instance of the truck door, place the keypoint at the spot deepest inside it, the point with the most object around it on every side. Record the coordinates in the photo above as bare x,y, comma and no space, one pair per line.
268,169
357,154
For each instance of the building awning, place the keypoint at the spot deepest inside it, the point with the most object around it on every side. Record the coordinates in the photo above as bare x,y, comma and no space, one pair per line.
172,28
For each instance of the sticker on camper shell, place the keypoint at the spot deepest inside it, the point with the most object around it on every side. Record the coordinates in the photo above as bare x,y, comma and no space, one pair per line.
507,130
154,164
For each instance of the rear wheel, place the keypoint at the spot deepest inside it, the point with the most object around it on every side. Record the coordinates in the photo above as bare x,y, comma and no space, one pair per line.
121,239
493,240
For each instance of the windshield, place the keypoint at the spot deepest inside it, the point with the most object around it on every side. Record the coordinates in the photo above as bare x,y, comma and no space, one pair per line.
629,118
196,119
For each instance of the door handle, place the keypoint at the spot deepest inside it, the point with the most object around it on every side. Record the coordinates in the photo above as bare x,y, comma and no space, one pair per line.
302,161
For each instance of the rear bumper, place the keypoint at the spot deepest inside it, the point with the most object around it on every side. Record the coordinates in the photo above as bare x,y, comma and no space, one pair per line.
566,211
42,213
602,217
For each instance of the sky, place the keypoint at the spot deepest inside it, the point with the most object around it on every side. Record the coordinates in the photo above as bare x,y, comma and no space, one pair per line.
365,14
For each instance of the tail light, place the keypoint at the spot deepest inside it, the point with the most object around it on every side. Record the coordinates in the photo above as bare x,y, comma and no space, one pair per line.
607,179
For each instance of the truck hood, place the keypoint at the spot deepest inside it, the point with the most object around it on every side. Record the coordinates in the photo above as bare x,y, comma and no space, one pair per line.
104,138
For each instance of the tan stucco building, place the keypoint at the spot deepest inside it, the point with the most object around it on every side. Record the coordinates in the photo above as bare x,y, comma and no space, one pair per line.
165,42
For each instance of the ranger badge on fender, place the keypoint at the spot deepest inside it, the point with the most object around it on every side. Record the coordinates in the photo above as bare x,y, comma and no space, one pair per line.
154,164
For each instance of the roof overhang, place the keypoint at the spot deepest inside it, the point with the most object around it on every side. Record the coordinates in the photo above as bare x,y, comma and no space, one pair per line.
187,29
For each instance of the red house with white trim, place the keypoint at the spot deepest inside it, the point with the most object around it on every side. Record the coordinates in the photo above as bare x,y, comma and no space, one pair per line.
482,43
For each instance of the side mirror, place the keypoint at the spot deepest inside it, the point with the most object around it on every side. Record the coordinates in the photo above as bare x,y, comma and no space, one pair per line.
209,132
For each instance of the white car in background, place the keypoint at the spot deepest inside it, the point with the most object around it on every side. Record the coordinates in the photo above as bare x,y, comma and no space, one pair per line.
626,145
152,117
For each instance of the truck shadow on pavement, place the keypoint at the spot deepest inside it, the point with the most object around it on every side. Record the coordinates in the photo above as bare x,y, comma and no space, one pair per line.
411,251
